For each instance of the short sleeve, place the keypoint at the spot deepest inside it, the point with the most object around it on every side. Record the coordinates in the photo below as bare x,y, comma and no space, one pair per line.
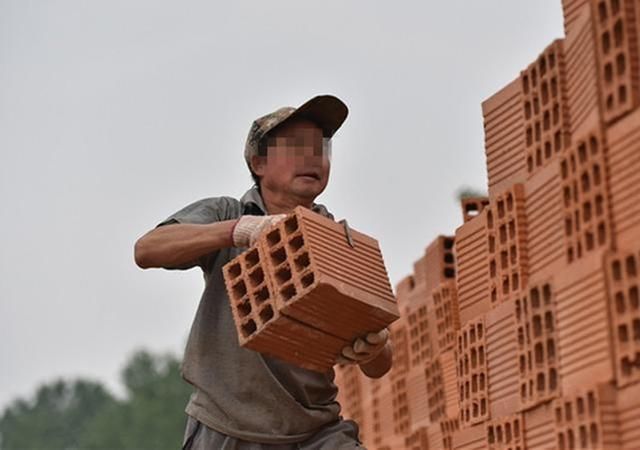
202,212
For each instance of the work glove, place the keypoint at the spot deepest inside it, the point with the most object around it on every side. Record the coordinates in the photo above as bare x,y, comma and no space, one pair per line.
364,350
248,228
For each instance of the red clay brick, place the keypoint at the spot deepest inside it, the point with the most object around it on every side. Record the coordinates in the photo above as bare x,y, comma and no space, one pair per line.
504,138
420,335
624,309
506,433
506,244
539,427
546,113
628,403
583,328
587,419
585,193
582,71
616,25
623,140
537,346
572,10
437,264
545,216
472,373
442,387
320,280
501,354
418,439
471,256
471,438
472,206
417,395
447,316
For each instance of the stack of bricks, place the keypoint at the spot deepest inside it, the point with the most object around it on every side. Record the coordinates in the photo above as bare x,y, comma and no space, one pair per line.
308,288
534,342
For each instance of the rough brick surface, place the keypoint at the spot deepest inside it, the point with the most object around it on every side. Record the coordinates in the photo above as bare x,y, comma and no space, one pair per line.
624,305
472,206
587,419
507,244
472,373
535,314
506,433
546,112
616,34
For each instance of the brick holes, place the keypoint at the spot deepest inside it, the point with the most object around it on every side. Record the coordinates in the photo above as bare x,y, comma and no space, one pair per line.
471,371
624,307
536,334
506,235
586,220
546,125
618,58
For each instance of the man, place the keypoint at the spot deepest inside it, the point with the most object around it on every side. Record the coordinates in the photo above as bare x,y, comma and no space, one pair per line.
243,399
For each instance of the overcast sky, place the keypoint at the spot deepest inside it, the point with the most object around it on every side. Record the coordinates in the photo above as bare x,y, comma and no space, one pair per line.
115,114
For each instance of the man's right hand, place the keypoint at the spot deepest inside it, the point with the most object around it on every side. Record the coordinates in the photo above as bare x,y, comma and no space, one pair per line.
248,228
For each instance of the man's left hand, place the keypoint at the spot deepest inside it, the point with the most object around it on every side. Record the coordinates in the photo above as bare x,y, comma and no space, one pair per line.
364,350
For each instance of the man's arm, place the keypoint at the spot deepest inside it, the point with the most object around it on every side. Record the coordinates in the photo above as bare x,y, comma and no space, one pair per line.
179,245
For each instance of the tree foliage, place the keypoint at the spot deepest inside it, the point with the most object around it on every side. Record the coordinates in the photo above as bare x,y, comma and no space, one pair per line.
81,414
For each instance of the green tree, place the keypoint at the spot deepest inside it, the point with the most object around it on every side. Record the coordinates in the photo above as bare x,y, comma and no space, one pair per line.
79,415
54,418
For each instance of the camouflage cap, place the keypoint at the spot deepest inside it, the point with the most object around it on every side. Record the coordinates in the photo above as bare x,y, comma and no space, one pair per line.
327,111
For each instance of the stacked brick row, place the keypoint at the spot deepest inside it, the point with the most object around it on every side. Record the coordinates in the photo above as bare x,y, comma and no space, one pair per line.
308,288
543,347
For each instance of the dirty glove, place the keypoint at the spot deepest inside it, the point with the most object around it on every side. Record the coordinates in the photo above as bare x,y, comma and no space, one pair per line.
248,228
364,350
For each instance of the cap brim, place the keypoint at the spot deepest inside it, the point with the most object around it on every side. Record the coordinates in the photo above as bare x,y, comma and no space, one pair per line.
327,111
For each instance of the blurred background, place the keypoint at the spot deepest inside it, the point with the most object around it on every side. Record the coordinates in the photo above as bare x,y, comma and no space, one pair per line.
115,114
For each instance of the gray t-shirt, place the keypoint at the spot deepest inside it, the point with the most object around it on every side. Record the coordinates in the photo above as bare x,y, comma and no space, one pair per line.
240,392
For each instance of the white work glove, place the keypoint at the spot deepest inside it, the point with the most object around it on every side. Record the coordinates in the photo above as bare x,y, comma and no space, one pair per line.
248,228
364,350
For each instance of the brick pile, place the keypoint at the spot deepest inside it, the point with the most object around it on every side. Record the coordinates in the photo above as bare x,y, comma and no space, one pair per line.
522,330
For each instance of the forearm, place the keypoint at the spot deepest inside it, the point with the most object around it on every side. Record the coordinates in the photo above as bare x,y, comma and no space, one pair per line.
181,244
380,365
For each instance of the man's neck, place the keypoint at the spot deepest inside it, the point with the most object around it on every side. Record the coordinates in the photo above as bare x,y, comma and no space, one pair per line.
279,203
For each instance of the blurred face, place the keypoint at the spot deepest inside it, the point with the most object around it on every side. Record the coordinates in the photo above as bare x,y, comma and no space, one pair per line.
297,161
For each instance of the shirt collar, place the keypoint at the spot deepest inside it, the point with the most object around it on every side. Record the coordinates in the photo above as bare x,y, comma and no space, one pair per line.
253,204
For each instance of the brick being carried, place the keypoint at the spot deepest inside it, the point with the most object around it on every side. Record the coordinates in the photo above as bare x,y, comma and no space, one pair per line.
506,433
583,328
623,283
616,28
582,70
472,206
262,327
437,264
323,281
537,346
472,373
501,355
545,223
572,10
546,113
587,419
472,280
504,139
539,427
507,261
623,139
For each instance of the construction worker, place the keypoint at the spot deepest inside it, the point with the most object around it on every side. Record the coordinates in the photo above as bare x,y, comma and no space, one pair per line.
243,399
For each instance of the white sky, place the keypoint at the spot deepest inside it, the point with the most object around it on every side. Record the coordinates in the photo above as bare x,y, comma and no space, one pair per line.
115,114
